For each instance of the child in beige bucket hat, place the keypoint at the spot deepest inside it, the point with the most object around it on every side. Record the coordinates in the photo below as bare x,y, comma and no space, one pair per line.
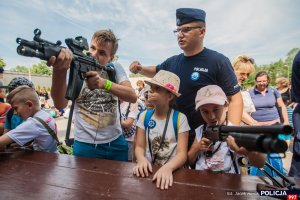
166,80
162,133
212,103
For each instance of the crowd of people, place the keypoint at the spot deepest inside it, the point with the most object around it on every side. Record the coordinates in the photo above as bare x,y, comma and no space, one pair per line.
163,121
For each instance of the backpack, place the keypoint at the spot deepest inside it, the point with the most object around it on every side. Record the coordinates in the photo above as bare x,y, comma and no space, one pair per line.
62,148
175,120
128,132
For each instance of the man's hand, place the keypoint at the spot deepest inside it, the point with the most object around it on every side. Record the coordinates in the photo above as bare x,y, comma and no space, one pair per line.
94,81
135,67
63,61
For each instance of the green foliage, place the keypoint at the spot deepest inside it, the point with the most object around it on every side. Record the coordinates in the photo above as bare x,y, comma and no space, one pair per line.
2,63
40,68
22,69
280,68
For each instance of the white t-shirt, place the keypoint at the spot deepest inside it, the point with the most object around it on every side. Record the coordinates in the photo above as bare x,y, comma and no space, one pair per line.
155,135
248,103
97,118
221,159
32,129
133,112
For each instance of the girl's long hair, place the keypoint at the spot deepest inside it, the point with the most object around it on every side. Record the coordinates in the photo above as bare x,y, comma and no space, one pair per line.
172,103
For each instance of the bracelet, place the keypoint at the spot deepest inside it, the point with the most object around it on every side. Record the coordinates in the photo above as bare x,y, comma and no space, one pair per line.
108,85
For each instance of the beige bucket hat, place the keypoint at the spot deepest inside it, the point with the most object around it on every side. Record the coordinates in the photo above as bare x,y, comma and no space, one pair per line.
167,80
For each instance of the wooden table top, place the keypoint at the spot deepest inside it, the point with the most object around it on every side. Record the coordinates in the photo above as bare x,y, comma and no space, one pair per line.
39,175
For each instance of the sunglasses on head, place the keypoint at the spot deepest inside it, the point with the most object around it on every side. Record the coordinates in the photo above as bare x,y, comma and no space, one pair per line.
245,60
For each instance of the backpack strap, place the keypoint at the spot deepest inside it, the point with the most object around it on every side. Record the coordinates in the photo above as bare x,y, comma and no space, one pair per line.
234,162
147,118
176,119
127,111
176,122
111,72
50,131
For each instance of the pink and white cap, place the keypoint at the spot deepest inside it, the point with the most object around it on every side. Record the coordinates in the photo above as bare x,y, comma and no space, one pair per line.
211,94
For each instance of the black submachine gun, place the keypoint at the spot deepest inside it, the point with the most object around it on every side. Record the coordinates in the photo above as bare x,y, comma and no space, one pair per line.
254,138
82,62
261,139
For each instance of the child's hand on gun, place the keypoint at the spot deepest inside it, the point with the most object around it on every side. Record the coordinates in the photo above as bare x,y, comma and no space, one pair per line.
204,144
142,168
234,147
163,177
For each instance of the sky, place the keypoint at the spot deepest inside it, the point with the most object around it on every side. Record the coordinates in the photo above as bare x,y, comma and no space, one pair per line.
263,29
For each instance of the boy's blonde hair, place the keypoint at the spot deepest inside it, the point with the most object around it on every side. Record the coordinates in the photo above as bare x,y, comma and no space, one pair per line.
22,94
104,37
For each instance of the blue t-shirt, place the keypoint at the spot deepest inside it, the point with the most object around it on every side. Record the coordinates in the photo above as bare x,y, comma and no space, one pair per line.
205,68
15,121
296,79
265,105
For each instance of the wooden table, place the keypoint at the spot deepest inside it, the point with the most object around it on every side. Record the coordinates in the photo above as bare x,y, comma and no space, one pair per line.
47,176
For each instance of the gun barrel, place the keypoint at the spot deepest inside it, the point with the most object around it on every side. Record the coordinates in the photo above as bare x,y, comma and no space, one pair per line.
275,129
260,142
27,51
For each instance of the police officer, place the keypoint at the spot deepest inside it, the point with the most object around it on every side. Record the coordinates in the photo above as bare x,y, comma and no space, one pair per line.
197,67
295,166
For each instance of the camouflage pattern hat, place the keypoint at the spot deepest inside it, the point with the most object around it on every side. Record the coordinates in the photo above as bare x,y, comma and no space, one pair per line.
18,81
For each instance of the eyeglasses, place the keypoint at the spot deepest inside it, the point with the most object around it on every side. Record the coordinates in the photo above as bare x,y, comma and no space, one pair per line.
245,60
185,30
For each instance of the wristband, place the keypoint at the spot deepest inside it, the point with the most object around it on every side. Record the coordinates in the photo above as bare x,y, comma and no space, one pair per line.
108,85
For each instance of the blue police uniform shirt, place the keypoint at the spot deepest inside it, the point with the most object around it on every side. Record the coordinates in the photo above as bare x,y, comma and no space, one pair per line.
205,68
296,79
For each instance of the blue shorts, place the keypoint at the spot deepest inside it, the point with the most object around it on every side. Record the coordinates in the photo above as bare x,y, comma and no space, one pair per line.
115,150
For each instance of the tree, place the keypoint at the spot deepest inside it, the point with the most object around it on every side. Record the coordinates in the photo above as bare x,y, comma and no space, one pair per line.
291,55
2,63
41,68
22,69
280,68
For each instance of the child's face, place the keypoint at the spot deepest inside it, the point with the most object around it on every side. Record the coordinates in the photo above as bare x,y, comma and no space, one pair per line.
146,96
101,51
22,109
159,95
140,85
213,114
